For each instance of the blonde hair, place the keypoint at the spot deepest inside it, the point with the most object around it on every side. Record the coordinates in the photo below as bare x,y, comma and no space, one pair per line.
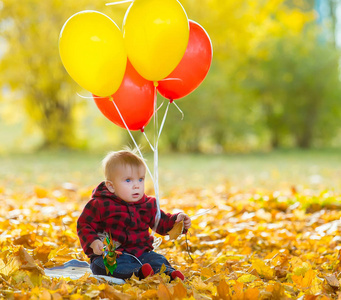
120,158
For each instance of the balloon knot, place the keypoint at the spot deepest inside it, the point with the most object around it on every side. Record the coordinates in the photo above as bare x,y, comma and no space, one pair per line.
156,84
142,129
171,101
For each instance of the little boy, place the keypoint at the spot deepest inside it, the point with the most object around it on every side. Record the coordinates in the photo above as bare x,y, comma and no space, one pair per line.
119,207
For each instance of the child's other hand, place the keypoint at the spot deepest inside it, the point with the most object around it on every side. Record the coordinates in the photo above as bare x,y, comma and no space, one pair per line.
185,218
97,247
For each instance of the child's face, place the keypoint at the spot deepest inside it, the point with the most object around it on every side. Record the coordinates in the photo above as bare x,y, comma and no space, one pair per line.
128,183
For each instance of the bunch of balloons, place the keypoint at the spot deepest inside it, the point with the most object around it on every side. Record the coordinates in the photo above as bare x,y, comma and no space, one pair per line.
158,50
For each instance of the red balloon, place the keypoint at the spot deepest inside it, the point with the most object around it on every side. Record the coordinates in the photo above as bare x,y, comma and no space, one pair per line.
134,99
193,67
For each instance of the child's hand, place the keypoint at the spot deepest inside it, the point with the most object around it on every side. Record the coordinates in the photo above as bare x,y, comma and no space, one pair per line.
97,247
185,218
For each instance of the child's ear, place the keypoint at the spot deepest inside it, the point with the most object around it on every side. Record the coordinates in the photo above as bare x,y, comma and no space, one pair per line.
110,186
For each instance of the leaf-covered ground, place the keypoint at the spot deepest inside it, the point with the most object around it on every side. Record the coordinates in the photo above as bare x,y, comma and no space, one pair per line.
255,245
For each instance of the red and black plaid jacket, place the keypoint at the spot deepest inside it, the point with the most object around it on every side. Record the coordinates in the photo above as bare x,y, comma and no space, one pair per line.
128,223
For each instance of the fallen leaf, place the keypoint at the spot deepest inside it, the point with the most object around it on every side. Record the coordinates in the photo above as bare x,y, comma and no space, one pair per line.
223,290
28,262
150,294
180,291
247,278
262,269
163,292
176,230
163,269
251,294
207,272
333,281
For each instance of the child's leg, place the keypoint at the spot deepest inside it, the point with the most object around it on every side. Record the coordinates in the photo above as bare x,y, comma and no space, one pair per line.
156,261
127,265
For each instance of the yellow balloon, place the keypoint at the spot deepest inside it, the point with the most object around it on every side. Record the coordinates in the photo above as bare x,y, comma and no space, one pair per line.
156,35
92,51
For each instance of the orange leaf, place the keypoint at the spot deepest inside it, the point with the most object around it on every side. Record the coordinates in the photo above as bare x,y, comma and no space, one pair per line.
277,290
223,290
45,295
308,278
238,289
176,230
27,240
251,294
180,291
42,252
207,272
150,294
28,262
57,296
163,292
110,293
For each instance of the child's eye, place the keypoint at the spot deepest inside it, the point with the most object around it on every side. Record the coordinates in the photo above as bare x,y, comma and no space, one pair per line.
128,180
141,179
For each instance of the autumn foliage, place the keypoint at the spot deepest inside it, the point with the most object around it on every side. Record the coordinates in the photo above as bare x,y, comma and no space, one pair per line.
259,245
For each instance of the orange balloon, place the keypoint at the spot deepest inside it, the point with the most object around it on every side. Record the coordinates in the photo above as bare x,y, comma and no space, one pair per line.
193,67
134,99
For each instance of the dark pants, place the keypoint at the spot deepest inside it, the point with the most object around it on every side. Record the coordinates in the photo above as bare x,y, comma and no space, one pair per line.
127,265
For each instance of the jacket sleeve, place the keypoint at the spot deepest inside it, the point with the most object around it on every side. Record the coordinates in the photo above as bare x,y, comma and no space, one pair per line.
87,225
166,223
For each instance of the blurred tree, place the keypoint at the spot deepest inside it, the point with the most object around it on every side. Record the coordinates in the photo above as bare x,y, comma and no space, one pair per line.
32,66
298,86
221,114
258,85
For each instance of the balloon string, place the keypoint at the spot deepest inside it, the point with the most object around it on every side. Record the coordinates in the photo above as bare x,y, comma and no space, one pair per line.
163,120
157,134
182,113
156,164
85,97
119,2
137,147
160,106
150,144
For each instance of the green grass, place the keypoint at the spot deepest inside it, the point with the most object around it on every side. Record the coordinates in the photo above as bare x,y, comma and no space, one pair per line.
314,169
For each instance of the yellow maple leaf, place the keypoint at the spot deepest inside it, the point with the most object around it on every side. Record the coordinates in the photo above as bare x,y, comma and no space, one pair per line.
247,278
11,266
163,269
262,269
